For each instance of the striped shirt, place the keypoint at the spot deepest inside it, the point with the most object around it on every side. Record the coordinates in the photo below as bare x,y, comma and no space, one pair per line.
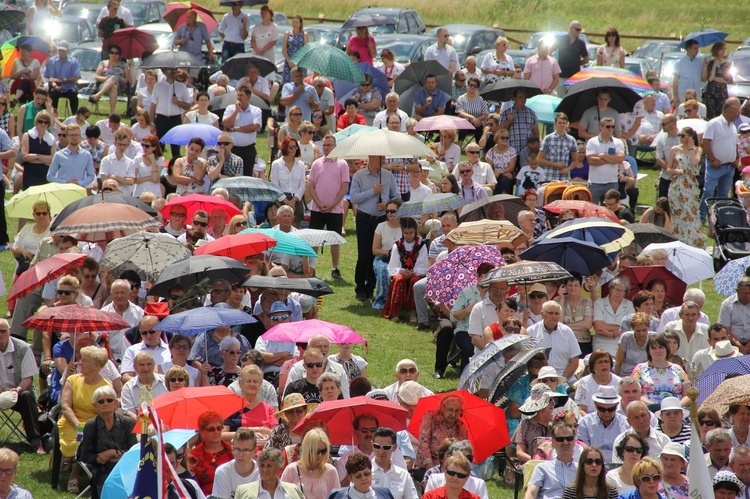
475,107
557,150
683,436
524,122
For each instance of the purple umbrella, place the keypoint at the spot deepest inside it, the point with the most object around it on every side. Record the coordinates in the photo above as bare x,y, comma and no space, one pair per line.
458,271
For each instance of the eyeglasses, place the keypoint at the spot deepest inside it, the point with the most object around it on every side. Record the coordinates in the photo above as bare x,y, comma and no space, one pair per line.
391,212
105,401
41,213
292,146
61,135
217,291
608,126
278,318
233,352
7,471
212,429
606,409
596,461
512,329
456,474
176,380
564,439
310,365
224,143
199,223
630,448
651,478
243,223
383,447
464,172
707,422
321,452
472,152
408,370
146,146
66,292
177,215
295,114
181,347
146,333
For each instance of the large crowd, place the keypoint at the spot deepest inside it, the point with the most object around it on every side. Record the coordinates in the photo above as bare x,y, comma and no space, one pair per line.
604,414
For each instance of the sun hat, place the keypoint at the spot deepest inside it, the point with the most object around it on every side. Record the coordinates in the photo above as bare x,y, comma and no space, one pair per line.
8,399
606,395
547,372
746,170
533,405
727,476
291,401
560,399
377,394
538,288
745,127
674,449
671,404
724,349
158,309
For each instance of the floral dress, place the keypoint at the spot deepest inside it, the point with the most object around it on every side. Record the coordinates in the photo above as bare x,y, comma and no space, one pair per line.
674,491
658,383
716,93
684,197
116,72
293,44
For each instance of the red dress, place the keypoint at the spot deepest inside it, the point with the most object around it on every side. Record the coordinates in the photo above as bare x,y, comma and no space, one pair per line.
440,493
401,292
203,464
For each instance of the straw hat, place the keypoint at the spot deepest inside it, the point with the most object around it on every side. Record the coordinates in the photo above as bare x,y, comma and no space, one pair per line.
291,401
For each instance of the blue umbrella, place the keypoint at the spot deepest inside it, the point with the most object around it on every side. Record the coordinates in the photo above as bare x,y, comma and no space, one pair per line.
544,106
704,37
288,244
199,320
471,376
712,377
726,280
181,135
345,88
351,130
583,257
431,203
120,482
611,236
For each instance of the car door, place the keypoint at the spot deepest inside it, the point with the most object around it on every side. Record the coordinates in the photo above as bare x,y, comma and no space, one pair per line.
403,24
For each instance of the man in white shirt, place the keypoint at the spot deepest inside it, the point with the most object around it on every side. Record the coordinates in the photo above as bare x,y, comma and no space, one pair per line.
169,100
324,345
483,173
650,121
443,53
121,305
233,29
672,314
151,341
639,418
364,426
243,121
552,333
118,166
693,335
109,128
384,472
484,313
605,154
721,348
240,470
327,102
720,147
406,370
391,107
147,385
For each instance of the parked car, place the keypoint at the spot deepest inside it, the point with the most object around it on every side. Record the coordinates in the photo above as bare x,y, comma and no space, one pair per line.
639,65
744,45
146,12
278,17
404,20
469,39
408,48
653,49
73,29
740,88
550,36
326,34
162,32
89,55
88,11
666,66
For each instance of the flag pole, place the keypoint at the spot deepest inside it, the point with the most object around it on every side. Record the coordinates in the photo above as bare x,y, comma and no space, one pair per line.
698,475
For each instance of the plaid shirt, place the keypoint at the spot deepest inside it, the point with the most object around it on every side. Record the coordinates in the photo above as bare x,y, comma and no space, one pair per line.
557,149
402,177
524,121
232,166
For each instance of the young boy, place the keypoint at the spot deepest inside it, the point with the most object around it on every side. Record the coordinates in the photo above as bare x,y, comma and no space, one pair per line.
530,176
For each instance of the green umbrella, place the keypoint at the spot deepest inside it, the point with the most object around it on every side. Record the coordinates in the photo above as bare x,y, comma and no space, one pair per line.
544,106
286,243
328,61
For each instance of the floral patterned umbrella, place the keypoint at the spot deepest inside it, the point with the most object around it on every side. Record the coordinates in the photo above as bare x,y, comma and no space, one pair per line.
726,280
526,272
458,271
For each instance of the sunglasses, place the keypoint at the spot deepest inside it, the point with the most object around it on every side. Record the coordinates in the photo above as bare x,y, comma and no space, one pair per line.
651,478
408,370
464,172
176,380
317,115
321,452
146,333
383,447
41,213
606,409
608,126
310,365
564,439
472,152
391,212
105,401
683,135
241,224
175,297
473,85
535,296
63,135
65,292
278,318
40,122
456,474
212,429
114,52
630,448
224,143
504,138
175,215
201,224
591,460
146,146
512,329
707,422
295,114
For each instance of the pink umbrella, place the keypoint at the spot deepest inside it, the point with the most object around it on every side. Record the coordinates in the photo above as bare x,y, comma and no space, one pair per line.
294,333
443,122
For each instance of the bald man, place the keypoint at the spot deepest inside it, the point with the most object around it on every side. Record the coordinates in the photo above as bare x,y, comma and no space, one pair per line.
324,345
225,164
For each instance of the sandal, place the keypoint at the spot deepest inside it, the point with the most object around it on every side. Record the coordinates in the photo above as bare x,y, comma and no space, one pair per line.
73,486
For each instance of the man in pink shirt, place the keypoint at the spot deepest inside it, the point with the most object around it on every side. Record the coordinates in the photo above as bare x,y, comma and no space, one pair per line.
542,69
328,183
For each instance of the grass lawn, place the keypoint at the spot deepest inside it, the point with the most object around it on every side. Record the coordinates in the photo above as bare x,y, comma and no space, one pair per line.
388,342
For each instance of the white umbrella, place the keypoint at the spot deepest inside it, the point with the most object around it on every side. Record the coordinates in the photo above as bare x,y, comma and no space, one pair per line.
145,252
318,237
690,264
696,124
380,143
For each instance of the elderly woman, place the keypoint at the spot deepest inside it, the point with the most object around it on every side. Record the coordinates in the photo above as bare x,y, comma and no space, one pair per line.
708,419
230,352
270,465
179,350
359,471
578,310
436,426
448,150
643,302
288,174
106,437
632,347
329,386
257,415
211,452
9,465
457,471
76,404
176,378
312,473
609,313
37,149
591,478
499,66
658,377
293,409
208,343
674,484
529,198
114,76
387,233
647,479
631,449
538,414
727,485
408,264
600,365
740,418
28,238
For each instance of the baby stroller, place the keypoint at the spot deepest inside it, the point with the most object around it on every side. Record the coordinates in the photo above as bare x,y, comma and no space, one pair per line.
728,225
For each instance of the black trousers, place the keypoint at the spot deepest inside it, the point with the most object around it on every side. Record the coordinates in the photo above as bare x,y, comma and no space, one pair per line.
248,155
3,224
27,408
364,275
71,95
165,124
664,187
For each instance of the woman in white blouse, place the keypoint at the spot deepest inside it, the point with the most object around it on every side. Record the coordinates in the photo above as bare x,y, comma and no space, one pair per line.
288,174
611,53
148,167
202,114
499,66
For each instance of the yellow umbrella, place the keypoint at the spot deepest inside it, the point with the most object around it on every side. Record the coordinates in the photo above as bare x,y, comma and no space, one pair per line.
58,196
500,233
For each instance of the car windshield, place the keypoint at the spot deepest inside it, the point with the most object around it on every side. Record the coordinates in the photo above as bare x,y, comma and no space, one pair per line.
402,49
533,42
667,67
324,37
138,9
82,12
88,59
66,31
634,67
654,50
741,70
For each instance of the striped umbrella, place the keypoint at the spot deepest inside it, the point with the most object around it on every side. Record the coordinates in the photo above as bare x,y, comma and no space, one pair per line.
611,236
500,233
11,51
628,78
526,272
100,223
328,61
431,203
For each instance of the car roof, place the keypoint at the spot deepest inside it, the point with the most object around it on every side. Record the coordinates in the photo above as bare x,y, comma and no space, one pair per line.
324,27
160,27
392,37
464,27
381,10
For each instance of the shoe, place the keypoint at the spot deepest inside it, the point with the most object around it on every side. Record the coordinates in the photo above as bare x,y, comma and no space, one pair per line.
336,274
438,375
73,486
423,327
362,296
395,319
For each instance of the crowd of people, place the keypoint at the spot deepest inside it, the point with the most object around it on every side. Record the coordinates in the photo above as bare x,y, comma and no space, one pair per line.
602,416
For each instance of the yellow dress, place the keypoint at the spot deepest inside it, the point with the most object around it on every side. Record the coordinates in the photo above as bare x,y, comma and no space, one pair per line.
84,410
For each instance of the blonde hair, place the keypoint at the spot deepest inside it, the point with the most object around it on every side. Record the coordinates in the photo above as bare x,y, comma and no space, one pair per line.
71,281
640,468
251,369
458,459
177,371
309,449
95,354
41,204
42,115
234,220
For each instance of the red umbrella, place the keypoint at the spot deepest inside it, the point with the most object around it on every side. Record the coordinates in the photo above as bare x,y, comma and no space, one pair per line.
238,246
195,202
182,408
75,318
485,422
106,222
175,15
581,208
43,272
640,277
339,416
132,41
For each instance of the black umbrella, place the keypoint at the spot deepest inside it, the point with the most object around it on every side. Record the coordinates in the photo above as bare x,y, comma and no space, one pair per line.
172,59
10,16
502,90
107,197
367,20
526,272
511,372
582,96
646,234
245,3
190,271
236,66
408,82
312,286
480,209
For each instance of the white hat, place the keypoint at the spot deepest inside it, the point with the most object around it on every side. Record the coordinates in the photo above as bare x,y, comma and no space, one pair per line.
547,372
410,392
533,405
671,404
674,449
724,349
560,399
606,395
8,399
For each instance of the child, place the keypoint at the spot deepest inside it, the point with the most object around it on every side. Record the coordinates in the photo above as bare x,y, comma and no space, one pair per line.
530,176
744,144
742,187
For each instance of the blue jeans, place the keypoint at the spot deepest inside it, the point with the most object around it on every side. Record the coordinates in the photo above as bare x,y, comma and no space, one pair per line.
229,49
718,183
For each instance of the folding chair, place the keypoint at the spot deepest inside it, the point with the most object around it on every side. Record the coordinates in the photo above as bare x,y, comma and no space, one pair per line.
10,426
85,467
